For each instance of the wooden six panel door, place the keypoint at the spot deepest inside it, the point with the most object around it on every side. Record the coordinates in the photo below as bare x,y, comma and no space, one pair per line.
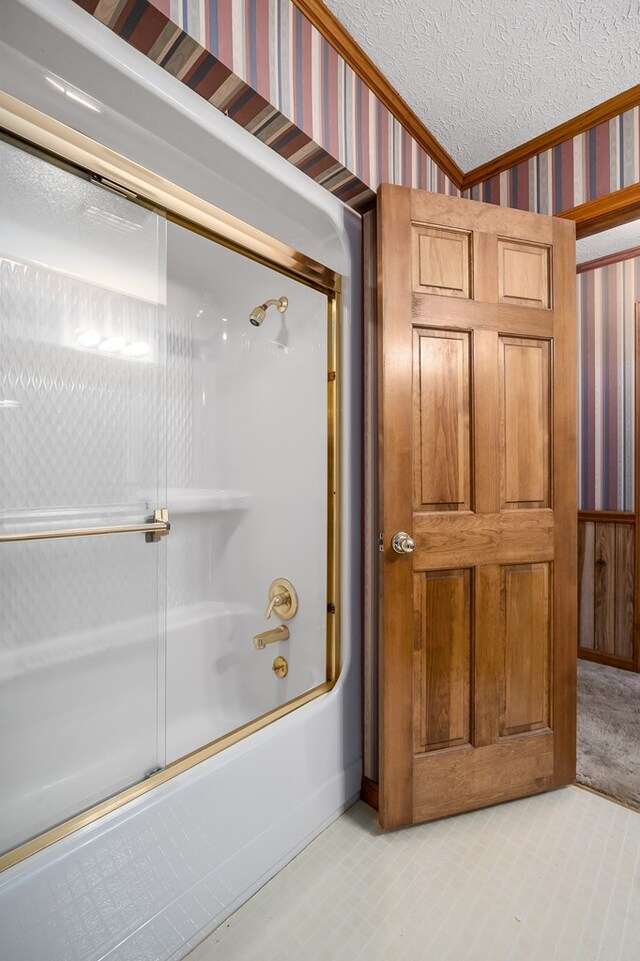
478,437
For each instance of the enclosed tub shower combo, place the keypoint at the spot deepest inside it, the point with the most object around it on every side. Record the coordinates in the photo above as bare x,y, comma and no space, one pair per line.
168,484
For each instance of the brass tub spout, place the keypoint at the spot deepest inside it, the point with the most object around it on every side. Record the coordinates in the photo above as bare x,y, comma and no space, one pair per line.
281,633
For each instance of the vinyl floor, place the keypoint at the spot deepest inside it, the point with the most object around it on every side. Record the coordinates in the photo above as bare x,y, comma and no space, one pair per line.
550,878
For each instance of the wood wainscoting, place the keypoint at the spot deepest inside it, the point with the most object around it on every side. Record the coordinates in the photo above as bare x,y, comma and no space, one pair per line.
606,579
609,563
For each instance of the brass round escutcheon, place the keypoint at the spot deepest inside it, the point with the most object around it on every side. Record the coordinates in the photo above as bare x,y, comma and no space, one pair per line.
283,599
280,667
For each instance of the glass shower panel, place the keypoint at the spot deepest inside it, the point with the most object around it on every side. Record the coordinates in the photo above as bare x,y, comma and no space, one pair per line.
247,488
82,446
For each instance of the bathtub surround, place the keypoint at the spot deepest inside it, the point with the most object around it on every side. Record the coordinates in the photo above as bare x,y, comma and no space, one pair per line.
248,409
120,395
162,872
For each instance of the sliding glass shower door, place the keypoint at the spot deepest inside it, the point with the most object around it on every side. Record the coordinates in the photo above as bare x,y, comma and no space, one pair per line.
162,373
82,462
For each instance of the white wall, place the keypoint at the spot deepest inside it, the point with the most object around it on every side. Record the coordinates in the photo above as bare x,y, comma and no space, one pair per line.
247,412
155,877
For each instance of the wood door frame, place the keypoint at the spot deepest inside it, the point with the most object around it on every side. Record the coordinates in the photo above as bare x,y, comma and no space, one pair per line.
395,503
594,216
586,224
636,491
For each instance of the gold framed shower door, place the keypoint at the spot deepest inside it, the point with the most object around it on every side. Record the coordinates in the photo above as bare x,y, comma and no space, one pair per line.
34,130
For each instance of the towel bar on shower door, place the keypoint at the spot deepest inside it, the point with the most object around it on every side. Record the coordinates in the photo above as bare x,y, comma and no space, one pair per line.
153,530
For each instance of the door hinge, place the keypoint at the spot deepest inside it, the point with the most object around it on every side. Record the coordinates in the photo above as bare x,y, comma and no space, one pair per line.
331,376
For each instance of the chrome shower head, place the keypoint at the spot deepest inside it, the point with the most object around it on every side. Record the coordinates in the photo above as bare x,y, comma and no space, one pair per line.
258,314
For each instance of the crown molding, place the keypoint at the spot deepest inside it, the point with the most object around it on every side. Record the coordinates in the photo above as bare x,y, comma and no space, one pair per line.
327,24
608,259
551,138
613,209
343,43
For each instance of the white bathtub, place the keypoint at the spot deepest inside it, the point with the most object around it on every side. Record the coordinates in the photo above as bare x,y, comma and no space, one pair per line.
155,877
90,688
216,680
90,735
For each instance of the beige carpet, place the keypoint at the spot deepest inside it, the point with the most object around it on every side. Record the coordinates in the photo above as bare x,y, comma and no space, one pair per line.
609,731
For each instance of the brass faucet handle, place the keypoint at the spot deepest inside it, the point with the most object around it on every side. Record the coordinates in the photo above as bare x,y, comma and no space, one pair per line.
282,599
276,601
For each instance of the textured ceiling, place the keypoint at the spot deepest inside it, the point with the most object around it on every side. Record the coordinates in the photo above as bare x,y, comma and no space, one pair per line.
488,75
608,242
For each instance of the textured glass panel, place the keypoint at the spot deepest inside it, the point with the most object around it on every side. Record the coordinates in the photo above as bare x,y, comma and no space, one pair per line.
75,227
247,488
82,444
79,672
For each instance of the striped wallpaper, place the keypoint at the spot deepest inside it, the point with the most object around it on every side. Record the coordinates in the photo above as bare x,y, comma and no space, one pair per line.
274,48
593,164
265,65
606,299
262,63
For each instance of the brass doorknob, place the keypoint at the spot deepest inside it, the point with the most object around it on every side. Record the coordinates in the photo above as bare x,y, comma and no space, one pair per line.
403,543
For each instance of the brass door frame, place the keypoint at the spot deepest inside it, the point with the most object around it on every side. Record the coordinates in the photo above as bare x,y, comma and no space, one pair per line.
34,130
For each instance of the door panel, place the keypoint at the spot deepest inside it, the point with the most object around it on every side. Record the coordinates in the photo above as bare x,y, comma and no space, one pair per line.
605,580
526,627
606,562
525,388
475,539
523,273
625,587
441,383
466,779
443,659
477,417
586,574
441,262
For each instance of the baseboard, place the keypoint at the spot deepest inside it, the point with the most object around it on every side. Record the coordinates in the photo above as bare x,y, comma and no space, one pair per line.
369,792
609,660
